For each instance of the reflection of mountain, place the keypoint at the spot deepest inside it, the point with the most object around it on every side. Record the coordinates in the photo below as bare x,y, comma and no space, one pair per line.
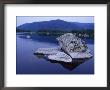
55,25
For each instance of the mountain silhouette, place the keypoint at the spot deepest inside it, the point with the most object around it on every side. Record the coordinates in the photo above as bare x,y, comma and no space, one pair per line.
56,25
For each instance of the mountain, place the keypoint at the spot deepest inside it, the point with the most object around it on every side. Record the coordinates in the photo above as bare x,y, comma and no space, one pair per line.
55,25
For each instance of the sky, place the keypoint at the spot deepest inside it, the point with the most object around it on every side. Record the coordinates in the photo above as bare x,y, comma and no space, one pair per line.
29,19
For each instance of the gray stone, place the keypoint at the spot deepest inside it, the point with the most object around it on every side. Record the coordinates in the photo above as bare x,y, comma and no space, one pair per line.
48,51
70,43
71,47
60,56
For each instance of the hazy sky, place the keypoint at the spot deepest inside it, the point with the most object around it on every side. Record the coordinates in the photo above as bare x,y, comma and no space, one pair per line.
29,19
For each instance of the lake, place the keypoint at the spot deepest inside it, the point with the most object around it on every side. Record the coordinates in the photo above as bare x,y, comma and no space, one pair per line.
28,63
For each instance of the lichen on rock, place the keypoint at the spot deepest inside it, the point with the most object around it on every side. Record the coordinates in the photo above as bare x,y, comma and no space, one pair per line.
71,43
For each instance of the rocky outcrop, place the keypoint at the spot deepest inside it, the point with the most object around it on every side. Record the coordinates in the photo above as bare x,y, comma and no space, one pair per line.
70,43
71,47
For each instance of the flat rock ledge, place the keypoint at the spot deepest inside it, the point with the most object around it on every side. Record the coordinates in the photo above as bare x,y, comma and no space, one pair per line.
61,57
48,51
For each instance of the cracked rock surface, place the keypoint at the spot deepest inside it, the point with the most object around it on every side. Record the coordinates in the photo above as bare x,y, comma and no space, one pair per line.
71,47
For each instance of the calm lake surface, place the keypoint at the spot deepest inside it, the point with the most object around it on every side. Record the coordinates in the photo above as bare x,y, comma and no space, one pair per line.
28,63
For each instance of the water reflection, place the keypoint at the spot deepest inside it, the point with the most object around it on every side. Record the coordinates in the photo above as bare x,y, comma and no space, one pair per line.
39,56
49,39
41,65
69,66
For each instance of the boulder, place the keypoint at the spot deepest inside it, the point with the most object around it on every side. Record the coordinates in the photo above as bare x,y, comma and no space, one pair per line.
60,56
69,43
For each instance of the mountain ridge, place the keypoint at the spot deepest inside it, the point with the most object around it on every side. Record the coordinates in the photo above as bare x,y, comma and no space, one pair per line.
56,25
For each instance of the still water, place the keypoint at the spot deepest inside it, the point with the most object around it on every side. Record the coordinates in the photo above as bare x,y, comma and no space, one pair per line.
28,63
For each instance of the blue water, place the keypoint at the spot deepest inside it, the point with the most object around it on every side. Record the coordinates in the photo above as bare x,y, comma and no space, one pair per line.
28,63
